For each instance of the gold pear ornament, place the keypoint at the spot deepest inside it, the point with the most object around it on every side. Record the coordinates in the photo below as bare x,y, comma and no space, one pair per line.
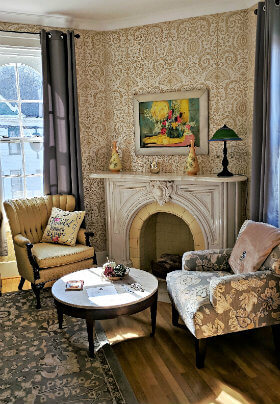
115,164
192,167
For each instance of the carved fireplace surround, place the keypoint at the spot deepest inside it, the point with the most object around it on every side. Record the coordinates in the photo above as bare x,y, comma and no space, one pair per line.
210,206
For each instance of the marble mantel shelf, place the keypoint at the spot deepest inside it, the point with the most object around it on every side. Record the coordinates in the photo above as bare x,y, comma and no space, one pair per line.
126,175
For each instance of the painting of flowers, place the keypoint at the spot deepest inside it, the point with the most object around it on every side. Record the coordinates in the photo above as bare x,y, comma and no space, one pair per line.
166,123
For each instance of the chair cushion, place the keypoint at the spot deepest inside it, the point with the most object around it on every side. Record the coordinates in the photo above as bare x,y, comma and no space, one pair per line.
189,290
253,246
51,255
63,227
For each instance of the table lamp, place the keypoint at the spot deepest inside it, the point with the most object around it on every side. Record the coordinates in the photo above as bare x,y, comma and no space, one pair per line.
224,134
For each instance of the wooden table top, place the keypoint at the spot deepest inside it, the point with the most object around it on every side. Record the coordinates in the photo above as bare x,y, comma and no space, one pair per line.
98,292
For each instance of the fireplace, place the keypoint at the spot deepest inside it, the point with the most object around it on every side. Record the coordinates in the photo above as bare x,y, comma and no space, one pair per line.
209,206
146,233
163,235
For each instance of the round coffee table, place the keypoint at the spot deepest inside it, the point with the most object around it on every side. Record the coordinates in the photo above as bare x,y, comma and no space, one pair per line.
101,299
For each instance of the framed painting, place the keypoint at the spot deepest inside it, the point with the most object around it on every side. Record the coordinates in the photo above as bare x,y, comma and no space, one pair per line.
166,123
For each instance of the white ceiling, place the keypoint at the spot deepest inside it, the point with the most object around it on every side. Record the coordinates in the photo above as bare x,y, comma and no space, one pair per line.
111,14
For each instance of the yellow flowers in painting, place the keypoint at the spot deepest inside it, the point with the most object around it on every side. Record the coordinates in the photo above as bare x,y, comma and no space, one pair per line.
159,110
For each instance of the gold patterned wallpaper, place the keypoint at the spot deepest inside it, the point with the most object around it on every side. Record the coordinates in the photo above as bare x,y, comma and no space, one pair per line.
214,52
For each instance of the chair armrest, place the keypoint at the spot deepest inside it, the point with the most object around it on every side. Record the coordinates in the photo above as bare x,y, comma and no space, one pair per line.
256,292
21,241
207,260
83,237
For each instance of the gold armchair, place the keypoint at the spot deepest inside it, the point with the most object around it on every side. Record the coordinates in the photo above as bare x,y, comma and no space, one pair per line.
37,262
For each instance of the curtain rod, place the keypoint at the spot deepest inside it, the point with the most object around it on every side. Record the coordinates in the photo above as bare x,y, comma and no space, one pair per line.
32,33
277,4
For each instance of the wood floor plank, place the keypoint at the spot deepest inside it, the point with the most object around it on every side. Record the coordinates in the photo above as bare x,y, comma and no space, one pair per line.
11,284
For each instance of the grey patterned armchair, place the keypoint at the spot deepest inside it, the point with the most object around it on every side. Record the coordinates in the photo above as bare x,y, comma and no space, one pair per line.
212,300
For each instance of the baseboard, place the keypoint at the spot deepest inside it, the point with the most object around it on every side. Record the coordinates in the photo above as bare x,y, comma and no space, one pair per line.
8,269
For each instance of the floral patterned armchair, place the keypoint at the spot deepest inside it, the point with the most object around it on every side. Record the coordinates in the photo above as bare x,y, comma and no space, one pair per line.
212,300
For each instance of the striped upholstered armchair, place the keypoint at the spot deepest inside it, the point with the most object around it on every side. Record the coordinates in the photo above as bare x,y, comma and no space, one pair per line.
38,262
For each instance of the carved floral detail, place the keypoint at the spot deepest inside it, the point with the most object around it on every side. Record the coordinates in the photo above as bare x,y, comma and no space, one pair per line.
161,191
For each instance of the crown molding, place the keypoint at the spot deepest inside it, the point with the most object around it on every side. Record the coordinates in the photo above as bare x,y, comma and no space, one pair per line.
190,10
207,8
60,21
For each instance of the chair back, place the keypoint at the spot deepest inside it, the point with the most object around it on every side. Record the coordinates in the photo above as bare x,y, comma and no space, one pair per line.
30,216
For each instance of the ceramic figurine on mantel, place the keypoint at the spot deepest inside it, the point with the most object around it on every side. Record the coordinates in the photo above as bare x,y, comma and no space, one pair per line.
115,164
192,167
154,167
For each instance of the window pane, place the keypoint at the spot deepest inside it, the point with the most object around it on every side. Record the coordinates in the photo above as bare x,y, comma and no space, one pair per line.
33,154
13,188
34,186
32,109
11,158
30,83
32,120
8,88
9,119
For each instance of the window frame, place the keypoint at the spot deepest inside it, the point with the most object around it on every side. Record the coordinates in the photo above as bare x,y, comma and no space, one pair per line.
20,49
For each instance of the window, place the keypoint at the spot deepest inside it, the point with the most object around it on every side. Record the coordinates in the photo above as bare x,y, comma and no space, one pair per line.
21,119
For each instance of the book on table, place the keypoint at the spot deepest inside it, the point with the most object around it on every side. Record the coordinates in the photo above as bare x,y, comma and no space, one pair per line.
74,285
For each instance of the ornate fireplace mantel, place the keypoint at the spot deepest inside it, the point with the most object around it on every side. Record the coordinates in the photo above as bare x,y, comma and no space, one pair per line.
214,203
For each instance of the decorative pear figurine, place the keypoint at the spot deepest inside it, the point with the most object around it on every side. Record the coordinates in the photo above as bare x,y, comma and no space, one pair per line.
115,164
192,167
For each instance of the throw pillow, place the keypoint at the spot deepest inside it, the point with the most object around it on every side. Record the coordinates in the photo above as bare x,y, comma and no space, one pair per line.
63,227
253,246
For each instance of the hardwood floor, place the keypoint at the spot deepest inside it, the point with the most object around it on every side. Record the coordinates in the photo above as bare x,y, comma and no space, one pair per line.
239,368
11,284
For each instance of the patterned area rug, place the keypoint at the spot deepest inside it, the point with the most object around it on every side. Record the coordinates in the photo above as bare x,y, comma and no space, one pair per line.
39,363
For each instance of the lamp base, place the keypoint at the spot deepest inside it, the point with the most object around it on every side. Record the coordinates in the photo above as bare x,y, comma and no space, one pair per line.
225,173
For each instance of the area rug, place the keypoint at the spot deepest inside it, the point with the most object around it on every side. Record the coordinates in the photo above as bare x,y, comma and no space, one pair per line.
39,363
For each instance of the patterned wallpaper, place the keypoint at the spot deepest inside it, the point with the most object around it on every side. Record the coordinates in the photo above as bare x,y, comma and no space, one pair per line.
214,52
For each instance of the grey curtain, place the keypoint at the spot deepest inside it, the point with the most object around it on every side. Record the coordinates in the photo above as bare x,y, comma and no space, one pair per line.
3,240
62,152
265,196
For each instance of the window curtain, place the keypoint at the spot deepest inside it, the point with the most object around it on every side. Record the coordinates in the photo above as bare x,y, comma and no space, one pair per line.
62,152
265,183
3,240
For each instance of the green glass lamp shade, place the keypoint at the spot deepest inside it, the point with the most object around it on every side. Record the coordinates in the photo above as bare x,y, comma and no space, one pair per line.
224,134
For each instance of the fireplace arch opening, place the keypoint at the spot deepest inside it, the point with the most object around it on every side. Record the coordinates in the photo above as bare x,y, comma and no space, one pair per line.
164,237
167,229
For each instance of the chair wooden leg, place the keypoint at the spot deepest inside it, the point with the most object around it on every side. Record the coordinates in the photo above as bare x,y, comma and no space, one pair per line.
36,289
21,283
200,352
94,259
276,338
175,316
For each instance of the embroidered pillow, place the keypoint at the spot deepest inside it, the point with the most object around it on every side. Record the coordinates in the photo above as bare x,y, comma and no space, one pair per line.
253,246
63,227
